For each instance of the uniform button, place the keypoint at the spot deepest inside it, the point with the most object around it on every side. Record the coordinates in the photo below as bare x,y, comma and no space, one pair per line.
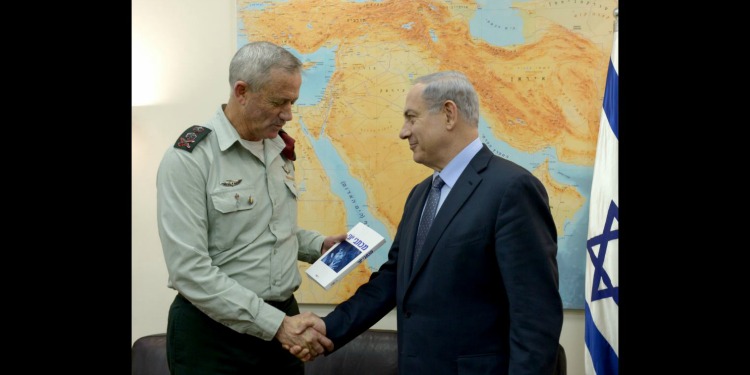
276,282
274,251
407,314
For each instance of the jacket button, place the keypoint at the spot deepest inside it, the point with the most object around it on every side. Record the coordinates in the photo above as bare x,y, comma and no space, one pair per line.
407,314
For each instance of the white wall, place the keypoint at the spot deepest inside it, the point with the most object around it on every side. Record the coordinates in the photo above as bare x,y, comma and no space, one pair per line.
181,53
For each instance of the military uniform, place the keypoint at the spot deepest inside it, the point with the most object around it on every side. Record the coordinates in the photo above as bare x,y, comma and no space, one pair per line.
227,218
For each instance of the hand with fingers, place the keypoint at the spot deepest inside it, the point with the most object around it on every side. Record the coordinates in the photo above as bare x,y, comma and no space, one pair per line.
304,336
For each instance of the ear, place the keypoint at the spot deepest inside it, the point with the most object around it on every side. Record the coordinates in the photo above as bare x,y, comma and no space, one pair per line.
451,113
239,90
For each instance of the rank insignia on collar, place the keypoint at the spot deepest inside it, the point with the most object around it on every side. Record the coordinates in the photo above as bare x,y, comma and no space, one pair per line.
231,182
191,137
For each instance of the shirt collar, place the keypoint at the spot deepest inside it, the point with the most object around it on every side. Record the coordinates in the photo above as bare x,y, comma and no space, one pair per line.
456,166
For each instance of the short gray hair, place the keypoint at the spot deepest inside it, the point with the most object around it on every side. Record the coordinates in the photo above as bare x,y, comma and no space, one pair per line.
451,85
253,63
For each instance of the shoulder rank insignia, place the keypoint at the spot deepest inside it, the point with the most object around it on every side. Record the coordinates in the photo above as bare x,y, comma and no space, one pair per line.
191,137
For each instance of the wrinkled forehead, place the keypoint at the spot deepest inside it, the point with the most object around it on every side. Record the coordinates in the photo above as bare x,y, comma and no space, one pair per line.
282,83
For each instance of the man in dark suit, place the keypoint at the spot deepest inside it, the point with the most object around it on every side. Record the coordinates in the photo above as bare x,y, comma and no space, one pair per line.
481,297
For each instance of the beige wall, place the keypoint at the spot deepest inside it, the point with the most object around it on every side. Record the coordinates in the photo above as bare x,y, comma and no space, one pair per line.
181,53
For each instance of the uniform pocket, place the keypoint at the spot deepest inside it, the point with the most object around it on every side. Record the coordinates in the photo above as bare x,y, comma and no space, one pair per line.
233,216
233,200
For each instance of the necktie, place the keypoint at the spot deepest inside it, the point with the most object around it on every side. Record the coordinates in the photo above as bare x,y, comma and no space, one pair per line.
288,150
430,208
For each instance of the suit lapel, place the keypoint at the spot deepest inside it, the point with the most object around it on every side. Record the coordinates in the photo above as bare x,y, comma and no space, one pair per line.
460,192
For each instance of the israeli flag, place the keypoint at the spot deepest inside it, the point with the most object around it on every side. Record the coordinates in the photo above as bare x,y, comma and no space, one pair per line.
602,245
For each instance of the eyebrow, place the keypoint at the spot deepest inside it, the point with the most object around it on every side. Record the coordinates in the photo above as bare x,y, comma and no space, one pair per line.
283,99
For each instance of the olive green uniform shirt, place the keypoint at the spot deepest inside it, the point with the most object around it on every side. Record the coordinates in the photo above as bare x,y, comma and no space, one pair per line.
227,217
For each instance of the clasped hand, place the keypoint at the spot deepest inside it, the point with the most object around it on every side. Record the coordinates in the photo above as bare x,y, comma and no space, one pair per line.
304,335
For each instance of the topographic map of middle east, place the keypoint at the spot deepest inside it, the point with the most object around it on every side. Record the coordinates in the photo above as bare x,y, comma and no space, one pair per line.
539,68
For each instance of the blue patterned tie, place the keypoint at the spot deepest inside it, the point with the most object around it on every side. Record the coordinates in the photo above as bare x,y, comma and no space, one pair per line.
430,208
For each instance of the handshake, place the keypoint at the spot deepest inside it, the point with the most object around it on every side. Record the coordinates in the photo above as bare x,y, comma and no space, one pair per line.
304,336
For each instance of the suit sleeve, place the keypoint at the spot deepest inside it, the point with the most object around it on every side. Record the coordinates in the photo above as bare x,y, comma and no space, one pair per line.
370,303
372,300
526,249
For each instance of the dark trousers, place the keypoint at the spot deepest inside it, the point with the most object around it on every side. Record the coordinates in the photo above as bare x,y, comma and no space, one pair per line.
199,345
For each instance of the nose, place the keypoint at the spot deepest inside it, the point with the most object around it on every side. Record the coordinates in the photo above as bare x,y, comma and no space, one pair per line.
405,130
286,113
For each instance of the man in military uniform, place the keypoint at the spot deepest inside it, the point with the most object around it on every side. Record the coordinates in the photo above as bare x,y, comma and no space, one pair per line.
227,217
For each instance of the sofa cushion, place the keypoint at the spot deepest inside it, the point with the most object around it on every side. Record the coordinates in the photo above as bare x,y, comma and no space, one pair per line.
149,355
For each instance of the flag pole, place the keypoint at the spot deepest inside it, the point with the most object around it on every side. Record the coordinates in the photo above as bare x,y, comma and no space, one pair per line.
616,19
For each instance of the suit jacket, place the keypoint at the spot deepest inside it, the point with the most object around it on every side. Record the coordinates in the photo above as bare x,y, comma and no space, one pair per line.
483,296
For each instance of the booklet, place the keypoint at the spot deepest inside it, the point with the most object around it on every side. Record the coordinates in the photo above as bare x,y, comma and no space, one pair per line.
343,257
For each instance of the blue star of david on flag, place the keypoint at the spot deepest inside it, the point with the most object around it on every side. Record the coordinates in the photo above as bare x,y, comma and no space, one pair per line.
600,274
